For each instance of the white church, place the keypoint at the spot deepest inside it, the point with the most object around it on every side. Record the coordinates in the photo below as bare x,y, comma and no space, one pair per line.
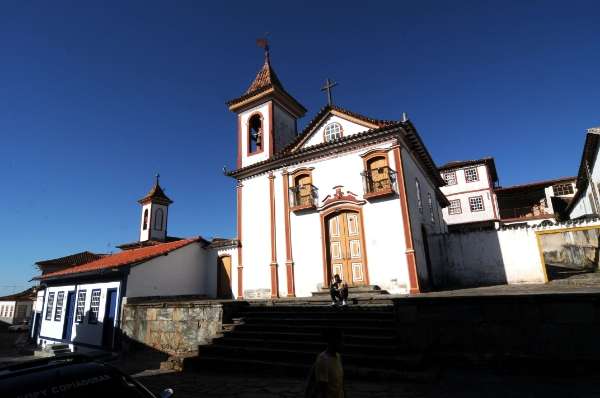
349,195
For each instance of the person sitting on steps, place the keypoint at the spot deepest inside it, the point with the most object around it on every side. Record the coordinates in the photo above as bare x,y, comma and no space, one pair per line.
338,291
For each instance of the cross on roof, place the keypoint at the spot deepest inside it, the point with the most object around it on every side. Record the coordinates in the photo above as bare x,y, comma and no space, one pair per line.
327,87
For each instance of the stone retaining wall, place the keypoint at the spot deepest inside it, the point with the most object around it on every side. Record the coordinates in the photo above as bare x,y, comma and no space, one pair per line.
176,328
544,327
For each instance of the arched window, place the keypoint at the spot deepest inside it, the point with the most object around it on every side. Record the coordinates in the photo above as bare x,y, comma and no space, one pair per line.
303,182
255,133
377,168
158,220
145,223
333,131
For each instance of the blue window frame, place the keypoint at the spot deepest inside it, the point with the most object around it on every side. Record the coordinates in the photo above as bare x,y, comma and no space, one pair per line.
49,306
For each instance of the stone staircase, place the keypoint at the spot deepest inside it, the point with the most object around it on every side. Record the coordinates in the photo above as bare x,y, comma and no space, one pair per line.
285,340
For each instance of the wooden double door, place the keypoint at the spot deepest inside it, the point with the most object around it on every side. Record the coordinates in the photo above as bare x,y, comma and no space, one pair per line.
345,247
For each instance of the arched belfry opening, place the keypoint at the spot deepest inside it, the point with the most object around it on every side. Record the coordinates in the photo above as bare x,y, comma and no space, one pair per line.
255,133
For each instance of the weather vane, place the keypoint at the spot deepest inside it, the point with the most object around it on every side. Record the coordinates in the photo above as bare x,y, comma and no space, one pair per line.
264,44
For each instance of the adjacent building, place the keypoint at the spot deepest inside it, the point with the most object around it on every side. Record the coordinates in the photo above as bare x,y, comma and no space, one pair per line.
17,308
83,293
470,188
586,202
537,201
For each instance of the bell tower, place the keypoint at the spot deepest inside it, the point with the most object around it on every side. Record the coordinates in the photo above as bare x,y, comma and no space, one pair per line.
267,115
155,211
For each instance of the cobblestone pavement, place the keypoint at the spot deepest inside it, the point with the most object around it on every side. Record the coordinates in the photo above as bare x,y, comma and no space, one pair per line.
188,384
475,383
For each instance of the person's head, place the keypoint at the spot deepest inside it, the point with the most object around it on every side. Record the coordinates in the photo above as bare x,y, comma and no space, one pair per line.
333,338
337,278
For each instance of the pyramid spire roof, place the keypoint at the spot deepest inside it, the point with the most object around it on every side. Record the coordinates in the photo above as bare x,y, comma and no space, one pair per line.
156,195
266,83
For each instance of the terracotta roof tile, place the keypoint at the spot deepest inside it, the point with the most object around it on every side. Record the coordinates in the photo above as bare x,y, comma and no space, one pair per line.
71,260
320,116
157,195
124,258
266,77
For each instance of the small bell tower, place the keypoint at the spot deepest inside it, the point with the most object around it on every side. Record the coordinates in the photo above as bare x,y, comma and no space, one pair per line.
155,211
267,115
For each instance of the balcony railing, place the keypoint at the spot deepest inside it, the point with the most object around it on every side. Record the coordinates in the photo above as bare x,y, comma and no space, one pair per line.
379,182
524,212
303,197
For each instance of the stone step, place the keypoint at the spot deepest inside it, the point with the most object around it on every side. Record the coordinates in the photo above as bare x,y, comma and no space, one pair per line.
354,291
341,323
324,300
379,361
364,347
325,313
284,368
315,337
357,330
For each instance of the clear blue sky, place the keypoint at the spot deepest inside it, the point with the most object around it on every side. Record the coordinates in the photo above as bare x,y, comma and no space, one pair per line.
95,99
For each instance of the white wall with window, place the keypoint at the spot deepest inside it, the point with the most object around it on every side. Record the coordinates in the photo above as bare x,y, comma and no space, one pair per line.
87,313
470,207
332,127
470,192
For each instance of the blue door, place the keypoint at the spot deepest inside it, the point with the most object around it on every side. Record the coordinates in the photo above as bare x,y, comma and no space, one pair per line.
110,313
69,314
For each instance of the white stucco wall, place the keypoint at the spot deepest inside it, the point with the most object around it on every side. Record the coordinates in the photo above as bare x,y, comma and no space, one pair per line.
413,172
263,109
484,257
348,128
256,236
468,216
463,190
584,206
284,128
84,332
7,311
185,271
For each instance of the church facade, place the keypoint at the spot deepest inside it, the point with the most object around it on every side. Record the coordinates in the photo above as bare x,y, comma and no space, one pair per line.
349,195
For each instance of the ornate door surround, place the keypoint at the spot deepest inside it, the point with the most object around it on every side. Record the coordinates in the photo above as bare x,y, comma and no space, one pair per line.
343,242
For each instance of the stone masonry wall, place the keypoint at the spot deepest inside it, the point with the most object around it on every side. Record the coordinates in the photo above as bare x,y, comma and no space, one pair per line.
176,328
544,326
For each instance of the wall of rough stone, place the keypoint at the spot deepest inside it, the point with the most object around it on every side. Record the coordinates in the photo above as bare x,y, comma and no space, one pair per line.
176,328
481,328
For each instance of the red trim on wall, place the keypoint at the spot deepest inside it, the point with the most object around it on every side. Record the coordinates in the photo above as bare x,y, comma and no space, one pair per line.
289,261
240,267
408,238
239,157
274,272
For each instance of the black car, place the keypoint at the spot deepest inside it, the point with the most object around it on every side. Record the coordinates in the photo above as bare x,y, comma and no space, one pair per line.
69,376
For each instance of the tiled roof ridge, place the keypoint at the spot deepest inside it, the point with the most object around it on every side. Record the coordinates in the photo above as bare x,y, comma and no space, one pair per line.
343,140
457,163
75,258
123,258
319,116
535,183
